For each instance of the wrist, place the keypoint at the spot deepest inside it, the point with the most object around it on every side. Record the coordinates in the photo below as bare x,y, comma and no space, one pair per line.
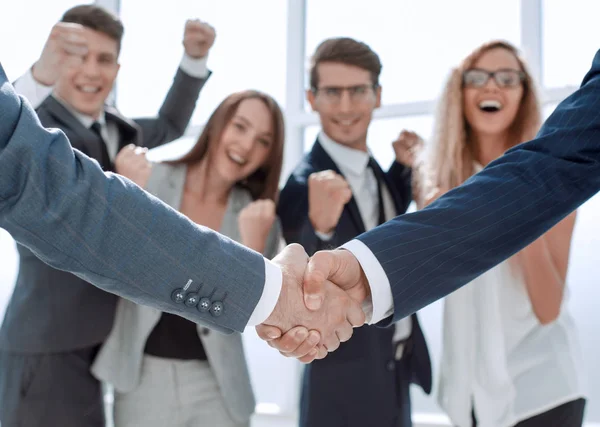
40,77
320,228
256,244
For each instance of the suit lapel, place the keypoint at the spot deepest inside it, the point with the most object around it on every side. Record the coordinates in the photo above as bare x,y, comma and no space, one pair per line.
129,131
85,140
323,161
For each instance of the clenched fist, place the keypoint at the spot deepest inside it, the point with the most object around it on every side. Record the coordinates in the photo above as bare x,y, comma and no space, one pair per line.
66,46
328,193
131,162
198,38
407,147
255,222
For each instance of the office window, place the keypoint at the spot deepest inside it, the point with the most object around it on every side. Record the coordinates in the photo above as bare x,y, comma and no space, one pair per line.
417,41
570,39
25,27
382,133
249,51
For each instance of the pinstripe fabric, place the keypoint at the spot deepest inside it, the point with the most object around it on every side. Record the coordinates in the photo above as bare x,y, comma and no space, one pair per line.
57,202
515,199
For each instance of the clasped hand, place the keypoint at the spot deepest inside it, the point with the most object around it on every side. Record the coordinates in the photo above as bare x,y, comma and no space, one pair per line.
319,305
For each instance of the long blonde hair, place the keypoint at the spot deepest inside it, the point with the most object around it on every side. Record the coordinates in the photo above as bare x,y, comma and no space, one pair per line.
448,160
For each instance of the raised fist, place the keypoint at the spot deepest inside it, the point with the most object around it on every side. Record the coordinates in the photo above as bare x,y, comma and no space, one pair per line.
407,147
198,38
328,193
255,222
66,46
131,162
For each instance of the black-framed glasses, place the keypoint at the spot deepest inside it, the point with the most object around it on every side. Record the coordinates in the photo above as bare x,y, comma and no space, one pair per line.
333,94
478,78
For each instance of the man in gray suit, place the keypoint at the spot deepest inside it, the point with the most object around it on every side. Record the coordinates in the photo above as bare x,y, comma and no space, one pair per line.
56,321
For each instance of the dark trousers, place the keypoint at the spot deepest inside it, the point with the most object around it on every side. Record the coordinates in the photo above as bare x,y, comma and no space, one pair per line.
41,390
569,414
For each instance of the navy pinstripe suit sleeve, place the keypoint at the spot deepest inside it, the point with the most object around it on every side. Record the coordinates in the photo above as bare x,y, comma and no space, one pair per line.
515,199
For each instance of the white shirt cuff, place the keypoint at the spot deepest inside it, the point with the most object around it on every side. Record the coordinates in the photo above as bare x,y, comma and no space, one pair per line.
381,293
29,88
195,67
324,236
270,295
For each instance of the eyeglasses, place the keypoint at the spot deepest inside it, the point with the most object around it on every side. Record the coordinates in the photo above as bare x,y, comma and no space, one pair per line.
504,78
333,94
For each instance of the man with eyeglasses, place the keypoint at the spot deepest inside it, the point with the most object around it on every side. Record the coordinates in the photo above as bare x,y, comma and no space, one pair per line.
337,192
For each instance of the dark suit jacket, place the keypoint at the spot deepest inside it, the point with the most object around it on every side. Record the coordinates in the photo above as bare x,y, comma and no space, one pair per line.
52,310
367,360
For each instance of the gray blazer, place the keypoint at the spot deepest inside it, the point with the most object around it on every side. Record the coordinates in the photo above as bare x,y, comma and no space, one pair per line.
120,358
52,310
58,203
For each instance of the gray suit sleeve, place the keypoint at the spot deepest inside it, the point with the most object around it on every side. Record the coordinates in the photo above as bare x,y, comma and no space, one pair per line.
175,113
57,202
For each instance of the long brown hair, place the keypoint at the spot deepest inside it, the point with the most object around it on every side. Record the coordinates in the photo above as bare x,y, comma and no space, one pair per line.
264,182
449,159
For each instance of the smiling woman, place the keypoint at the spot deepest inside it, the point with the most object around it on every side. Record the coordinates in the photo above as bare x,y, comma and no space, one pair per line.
499,327
228,182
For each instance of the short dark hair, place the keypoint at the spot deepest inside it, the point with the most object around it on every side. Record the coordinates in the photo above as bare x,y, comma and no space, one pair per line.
348,51
98,19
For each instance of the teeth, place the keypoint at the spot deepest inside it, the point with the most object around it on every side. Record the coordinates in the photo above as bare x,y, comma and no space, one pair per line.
236,158
90,89
490,105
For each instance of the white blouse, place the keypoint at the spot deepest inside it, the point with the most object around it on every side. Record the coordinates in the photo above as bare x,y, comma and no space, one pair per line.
499,360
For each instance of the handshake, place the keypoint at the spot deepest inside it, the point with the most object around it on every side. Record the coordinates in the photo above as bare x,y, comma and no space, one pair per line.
319,305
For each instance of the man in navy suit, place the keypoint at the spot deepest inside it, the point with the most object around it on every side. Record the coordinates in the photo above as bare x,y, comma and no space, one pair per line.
337,192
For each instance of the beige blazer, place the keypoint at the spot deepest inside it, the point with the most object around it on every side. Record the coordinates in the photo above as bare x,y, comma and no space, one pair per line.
120,358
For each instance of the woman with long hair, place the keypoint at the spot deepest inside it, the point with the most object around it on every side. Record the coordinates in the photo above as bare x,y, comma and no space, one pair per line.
511,355
167,370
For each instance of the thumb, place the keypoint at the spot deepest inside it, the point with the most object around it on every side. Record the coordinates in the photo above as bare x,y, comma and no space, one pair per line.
319,269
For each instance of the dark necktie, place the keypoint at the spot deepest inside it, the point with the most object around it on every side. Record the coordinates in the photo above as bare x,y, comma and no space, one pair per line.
105,158
380,181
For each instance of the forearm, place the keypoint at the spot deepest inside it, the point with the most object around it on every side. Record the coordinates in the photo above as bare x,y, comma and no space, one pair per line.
257,245
176,111
543,282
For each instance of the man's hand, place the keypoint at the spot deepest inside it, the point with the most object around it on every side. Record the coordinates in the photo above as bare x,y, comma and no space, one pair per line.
131,162
339,312
340,267
328,193
198,38
66,46
255,222
407,147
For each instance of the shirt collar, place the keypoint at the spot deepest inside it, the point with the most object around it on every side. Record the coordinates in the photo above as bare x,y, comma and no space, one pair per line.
350,159
84,119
